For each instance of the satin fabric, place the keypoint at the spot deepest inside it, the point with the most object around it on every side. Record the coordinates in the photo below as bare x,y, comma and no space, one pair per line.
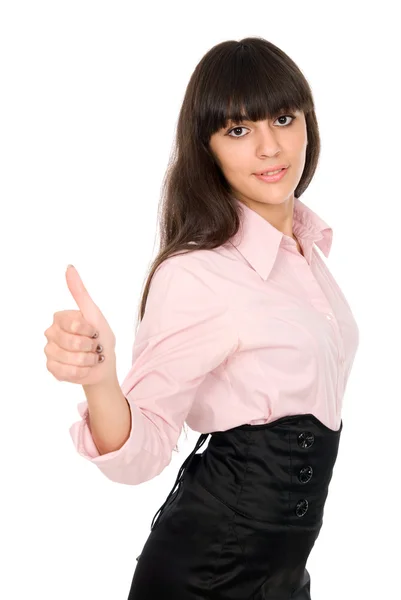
244,517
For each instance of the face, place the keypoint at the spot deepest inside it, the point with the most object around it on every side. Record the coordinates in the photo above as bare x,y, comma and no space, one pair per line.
241,149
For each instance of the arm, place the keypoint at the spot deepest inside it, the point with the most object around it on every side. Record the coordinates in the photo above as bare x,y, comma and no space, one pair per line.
187,331
109,416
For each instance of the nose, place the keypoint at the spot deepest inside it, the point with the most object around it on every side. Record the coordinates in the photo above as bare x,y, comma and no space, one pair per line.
267,143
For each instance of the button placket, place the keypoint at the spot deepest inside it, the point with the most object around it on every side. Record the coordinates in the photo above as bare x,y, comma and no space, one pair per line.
305,440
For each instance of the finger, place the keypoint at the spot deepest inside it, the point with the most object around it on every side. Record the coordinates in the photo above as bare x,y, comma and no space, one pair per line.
90,311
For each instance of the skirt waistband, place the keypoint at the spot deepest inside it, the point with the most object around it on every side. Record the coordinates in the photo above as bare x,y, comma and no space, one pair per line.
277,473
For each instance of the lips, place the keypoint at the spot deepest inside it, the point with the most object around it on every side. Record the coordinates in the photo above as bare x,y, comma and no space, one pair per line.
269,169
275,172
271,178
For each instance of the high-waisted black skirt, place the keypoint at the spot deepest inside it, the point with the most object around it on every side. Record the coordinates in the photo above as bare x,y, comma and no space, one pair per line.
244,517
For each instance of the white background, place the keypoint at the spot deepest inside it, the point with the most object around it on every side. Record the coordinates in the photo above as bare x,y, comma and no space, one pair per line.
90,95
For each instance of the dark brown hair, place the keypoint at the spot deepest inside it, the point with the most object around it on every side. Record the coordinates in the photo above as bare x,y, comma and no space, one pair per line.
251,76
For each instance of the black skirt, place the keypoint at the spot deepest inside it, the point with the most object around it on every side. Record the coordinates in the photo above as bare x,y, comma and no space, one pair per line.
244,517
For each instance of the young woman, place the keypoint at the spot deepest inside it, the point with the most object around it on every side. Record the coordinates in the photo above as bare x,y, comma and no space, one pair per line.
246,337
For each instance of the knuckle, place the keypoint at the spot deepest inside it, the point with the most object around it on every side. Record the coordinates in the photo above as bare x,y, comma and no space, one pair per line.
74,326
79,373
76,343
49,350
58,316
49,331
51,366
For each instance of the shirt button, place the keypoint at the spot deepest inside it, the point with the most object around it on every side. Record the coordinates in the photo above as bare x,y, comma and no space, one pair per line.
329,316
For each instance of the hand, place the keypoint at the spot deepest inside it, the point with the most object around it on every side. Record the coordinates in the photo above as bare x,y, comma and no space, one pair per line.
71,349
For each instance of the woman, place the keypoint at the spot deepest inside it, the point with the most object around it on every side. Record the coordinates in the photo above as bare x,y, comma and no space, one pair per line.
246,337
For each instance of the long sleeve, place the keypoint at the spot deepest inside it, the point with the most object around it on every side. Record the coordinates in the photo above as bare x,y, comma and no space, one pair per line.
187,331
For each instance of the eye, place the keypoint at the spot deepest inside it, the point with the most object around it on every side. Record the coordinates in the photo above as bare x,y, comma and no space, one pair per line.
285,117
292,117
236,129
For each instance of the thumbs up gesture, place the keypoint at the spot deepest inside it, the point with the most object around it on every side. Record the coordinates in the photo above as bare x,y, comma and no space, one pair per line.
72,351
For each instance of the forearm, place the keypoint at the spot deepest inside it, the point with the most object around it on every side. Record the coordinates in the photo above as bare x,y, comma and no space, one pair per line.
109,416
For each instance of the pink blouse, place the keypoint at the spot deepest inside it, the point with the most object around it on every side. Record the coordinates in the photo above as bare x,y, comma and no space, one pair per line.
248,332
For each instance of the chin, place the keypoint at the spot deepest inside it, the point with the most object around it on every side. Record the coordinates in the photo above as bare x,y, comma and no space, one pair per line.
275,199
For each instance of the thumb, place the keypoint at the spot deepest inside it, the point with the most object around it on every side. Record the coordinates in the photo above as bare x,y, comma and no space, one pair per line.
90,311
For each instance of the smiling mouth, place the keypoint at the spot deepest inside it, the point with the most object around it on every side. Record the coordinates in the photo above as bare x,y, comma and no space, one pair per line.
272,171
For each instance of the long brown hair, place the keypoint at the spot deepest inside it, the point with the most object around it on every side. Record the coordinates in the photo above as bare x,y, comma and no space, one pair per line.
252,76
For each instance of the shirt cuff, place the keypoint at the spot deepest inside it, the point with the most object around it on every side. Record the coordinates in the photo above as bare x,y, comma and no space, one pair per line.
83,441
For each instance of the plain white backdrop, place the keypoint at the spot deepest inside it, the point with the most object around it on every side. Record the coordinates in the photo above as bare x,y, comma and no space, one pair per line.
90,95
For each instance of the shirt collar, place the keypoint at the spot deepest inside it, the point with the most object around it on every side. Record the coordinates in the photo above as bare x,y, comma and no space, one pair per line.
258,240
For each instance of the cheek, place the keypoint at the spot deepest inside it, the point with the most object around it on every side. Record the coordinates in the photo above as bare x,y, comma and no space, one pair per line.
237,162
239,174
